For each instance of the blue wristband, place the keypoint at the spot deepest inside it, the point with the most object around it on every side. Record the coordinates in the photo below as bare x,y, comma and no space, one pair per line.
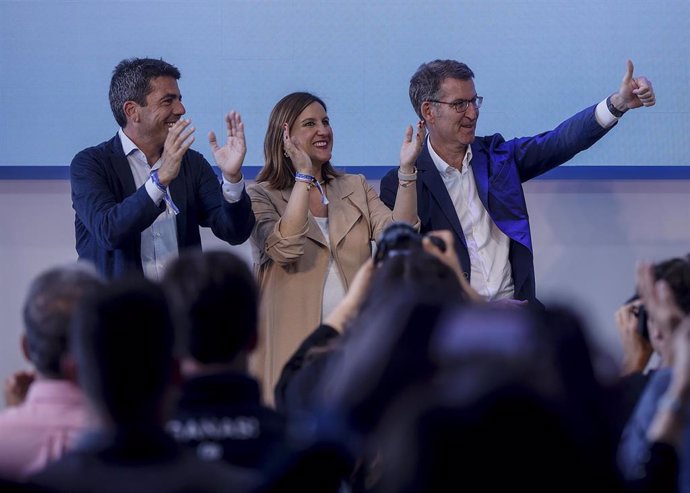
166,196
313,181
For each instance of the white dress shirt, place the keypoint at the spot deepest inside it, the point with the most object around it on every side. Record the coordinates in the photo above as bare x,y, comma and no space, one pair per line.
159,241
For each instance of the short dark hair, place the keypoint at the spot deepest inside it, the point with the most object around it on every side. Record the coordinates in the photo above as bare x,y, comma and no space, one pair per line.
426,81
131,81
48,309
217,298
122,341
676,272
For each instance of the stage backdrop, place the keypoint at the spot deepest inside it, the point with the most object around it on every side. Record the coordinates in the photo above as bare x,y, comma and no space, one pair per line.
536,62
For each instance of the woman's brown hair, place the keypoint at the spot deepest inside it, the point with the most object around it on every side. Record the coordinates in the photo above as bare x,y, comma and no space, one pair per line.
278,170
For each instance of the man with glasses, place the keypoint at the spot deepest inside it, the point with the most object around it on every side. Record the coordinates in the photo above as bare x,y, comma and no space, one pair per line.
472,186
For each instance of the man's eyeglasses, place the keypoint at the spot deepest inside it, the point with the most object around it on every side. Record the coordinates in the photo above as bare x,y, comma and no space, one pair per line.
461,105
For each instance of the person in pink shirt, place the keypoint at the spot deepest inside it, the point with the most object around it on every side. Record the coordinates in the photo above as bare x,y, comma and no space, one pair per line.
45,411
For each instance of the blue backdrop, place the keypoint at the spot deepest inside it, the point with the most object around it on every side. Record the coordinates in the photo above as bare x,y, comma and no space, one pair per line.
536,62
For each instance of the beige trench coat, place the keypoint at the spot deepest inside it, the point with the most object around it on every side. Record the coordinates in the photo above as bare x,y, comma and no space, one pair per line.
292,270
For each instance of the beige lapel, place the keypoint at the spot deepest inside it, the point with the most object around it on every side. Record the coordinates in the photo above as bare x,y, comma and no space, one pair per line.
344,210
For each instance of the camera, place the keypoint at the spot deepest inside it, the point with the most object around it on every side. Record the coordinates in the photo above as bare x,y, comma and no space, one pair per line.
642,318
402,239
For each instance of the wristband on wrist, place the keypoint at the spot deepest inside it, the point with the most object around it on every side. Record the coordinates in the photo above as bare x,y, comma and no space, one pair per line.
407,176
166,196
614,111
312,181
157,182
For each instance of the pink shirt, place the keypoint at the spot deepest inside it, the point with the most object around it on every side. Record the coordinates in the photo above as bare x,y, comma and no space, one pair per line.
42,428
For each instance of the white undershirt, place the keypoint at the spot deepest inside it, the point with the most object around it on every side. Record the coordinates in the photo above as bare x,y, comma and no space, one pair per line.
333,290
488,246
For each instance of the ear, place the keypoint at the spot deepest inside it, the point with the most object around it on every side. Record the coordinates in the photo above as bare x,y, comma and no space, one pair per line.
427,112
131,110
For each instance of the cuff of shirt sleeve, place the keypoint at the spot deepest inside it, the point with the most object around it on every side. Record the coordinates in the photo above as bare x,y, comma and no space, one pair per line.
233,191
604,116
154,192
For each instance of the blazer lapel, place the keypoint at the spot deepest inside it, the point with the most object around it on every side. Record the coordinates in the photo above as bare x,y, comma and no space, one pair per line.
342,216
121,167
431,178
480,169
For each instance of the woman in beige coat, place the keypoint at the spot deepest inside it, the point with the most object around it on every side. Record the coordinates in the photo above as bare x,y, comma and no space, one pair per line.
314,226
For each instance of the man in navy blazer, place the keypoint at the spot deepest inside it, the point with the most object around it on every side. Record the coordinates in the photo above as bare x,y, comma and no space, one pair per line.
140,197
472,186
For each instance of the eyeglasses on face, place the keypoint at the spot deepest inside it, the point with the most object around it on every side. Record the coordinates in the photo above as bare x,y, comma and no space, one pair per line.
461,105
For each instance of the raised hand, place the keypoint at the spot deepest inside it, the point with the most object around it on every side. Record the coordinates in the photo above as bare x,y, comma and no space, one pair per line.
411,148
636,91
298,156
230,157
16,386
636,350
179,140
658,299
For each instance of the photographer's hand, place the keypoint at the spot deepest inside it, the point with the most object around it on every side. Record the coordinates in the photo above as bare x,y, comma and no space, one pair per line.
636,350
450,258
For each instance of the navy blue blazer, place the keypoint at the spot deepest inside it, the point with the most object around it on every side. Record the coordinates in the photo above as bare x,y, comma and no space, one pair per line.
500,167
111,213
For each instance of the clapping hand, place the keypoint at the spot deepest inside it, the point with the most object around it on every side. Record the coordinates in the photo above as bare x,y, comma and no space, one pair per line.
230,157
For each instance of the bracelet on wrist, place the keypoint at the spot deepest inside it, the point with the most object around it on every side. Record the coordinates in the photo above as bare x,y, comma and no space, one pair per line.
407,176
311,181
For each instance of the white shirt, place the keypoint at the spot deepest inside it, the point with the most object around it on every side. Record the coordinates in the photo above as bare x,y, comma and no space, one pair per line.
159,241
333,290
488,246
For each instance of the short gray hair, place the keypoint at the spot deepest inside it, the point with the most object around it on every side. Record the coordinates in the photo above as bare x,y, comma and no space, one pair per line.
426,81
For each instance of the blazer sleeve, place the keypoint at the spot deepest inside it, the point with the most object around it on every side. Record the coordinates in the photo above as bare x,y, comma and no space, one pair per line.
231,222
380,215
99,201
540,153
271,245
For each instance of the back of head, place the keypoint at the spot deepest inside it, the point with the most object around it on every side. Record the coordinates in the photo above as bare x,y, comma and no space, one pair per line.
50,304
402,262
426,81
122,342
507,438
676,272
278,170
496,410
217,297
131,82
